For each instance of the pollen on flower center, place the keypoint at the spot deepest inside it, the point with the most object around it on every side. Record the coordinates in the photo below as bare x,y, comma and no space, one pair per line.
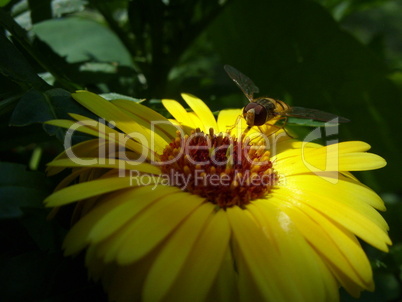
225,170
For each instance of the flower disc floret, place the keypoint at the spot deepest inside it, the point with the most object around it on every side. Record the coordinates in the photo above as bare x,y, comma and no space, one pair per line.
227,171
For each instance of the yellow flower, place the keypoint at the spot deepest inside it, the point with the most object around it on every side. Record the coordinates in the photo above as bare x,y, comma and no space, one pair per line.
181,210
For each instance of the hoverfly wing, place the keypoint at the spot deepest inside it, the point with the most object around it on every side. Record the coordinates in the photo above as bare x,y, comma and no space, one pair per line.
313,114
244,82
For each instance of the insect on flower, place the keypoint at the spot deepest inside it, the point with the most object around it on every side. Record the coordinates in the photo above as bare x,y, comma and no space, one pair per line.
263,109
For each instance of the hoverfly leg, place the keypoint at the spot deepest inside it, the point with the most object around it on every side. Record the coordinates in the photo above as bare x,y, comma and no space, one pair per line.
278,127
252,137
272,125
246,131
284,129
287,133
230,128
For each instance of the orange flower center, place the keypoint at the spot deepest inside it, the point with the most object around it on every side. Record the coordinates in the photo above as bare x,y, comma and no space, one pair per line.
221,168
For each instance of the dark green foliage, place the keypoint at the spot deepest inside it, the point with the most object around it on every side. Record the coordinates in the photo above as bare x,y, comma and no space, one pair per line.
20,189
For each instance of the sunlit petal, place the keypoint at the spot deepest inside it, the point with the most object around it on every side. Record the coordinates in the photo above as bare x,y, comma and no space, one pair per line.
201,110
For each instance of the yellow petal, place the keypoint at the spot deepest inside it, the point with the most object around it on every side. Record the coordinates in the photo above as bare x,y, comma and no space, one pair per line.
163,127
197,121
255,250
89,147
107,111
232,120
72,124
140,142
225,287
96,187
203,263
110,240
337,248
74,175
361,162
124,283
344,147
174,253
97,162
92,127
155,224
344,191
227,119
110,215
77,237
359,275
341,205
326,159
95,266
136,201
179,113
149,136
201,110
294,255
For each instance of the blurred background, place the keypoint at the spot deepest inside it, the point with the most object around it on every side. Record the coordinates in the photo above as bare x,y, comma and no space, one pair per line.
340,56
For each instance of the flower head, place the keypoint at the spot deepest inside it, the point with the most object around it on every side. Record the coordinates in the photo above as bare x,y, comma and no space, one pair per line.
193,210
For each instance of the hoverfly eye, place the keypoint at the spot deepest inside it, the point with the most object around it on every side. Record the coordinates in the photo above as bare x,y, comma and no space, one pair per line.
260,113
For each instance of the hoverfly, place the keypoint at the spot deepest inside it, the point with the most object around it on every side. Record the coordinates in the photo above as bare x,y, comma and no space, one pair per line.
263,109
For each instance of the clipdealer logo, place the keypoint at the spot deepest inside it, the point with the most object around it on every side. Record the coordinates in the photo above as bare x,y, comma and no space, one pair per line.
113,151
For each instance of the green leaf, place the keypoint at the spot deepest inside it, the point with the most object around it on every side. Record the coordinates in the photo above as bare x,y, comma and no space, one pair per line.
8,104
38,52
10,93
54,63
116,96
17,142
14,66
39,107
20,189
307,122
318,132
15,197
81,40
4,2
34,107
